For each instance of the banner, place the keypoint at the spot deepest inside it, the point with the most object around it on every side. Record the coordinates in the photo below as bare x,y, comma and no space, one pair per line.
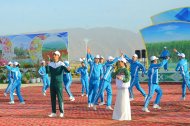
179,14
30,49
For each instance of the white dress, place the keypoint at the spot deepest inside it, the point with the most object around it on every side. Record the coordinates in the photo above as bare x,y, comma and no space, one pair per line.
122,108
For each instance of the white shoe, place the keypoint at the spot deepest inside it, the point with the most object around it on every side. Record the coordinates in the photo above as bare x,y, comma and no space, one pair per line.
182,98
11,102
101,103
131,99
23,103
5,94
94,107
109,108
61,115
145,109
82,95
72,99
156,106
44,93
52,115
14,94
89,105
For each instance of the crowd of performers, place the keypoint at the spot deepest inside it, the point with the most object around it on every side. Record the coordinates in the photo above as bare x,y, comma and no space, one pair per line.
99,79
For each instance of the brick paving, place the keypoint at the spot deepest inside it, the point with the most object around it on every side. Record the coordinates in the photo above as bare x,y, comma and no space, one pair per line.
37,107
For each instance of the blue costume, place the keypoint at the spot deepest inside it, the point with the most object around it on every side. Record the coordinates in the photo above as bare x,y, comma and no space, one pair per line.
45,78
84,77
17,76
153,83
135,66
182,66
67,80
165,53
96,72
106,82
10,82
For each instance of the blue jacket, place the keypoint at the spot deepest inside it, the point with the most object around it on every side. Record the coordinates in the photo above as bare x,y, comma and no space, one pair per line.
153,72
108,68
96,70
42,71
135,66
67,76
182,66
83,71
10,74
164,54
16,72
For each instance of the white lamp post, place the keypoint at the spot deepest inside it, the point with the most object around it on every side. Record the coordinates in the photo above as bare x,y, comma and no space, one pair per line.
86,40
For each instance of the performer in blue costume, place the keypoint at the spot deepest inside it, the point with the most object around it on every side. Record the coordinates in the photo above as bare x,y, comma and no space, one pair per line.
45,77
67,80
182,67
96,73
106,83
153,83
10,80
17,77
135,67
165,53
83,71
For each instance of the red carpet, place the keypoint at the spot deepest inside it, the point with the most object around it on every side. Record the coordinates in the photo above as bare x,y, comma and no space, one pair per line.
37,107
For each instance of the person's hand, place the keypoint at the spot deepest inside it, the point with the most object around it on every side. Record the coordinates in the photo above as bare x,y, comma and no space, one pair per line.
121,53
88,50
175,50
167,57
120,77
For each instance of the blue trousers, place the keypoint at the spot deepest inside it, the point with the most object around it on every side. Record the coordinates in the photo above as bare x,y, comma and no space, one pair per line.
153,88
85,84
135,82
46,83
17,86
185,83
105,85
166,66
93,90
67,84
102,95
9,86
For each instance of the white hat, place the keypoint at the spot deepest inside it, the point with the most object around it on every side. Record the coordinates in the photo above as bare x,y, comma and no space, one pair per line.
16,63
9,63
152,58
122,59
181,55
135,55
57,53
80,59
97,57
43,61
110,58
101,57
165,47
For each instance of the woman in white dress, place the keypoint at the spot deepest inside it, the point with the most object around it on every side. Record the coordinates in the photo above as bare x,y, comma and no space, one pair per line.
122,109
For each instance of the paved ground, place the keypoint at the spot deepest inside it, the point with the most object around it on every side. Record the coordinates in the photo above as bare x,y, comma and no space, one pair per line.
34,113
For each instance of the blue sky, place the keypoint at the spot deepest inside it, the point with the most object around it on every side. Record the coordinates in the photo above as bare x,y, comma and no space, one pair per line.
167,32
24,16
